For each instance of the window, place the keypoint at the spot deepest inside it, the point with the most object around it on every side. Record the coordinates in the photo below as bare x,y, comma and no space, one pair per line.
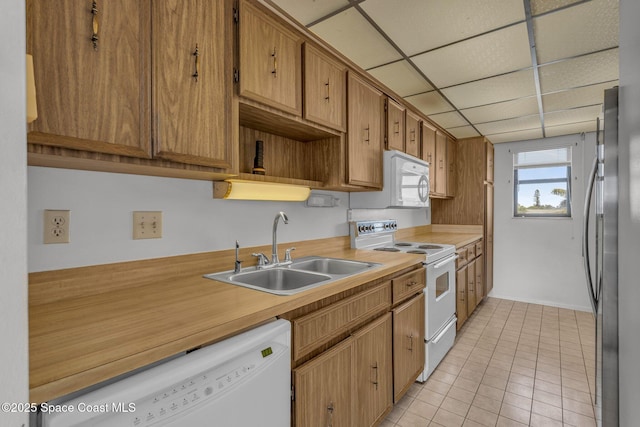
542,183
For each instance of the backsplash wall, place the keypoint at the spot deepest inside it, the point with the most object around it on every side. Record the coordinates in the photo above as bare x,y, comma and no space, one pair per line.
101,218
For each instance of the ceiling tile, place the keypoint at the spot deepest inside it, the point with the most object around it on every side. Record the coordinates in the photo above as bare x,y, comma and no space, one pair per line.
463,132
417,25
308,11
491,90
521,135
429,103
573,116
581,29
509,125
542,6
588,95
589,126
449,120
502,110
402,78
355,38
488,55
582,71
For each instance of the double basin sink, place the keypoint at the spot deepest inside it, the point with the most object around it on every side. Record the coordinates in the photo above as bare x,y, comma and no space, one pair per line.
301,275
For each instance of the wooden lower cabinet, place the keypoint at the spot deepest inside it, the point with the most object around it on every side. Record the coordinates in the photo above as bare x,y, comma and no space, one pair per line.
461,299
373,375
479,279
471,287
323,388
408,344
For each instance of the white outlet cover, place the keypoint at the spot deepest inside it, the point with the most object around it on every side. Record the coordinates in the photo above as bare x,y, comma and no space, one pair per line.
147,225
56,226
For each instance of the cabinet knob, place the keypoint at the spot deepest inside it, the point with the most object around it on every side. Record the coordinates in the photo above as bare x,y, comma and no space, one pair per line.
375,369
326,85
275,63
196,56
330,412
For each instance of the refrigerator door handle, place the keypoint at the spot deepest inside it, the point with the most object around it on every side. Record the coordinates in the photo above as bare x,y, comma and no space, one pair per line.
593,297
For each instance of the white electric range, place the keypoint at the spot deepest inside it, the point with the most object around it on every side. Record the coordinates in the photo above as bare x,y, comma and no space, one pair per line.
440,292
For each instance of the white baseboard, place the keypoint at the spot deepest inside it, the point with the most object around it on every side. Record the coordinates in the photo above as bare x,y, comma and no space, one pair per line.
493,294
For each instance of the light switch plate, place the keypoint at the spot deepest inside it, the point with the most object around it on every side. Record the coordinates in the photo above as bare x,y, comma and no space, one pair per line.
147,225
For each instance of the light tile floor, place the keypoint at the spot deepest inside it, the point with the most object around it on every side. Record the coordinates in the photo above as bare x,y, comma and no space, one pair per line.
513,364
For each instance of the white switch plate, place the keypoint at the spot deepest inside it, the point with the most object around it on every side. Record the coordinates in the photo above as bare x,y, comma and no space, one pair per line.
147,225
56,226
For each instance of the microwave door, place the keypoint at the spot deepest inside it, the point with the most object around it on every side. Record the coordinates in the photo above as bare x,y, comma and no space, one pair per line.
413,189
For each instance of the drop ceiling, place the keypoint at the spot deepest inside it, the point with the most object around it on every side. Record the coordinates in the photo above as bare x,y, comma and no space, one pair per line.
510,70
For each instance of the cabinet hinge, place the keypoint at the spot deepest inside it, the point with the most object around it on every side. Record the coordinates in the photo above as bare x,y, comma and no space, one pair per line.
293,393
236,75
236,14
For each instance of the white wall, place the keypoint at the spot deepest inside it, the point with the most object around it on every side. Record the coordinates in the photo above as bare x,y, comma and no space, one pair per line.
539,260
101,207
14,374
629,213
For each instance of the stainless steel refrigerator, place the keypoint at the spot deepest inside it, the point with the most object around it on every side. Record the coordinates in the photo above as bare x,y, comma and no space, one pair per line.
601,262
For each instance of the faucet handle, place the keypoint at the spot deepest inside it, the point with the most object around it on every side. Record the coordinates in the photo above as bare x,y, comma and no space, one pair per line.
262,259
287,254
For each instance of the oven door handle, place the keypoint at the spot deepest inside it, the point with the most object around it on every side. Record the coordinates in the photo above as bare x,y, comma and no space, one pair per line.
444,331
446,261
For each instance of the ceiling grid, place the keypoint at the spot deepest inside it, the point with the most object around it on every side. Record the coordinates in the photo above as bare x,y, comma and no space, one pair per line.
503,69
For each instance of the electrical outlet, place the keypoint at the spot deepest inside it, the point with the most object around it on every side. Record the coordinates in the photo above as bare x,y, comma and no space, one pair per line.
56,226
147,225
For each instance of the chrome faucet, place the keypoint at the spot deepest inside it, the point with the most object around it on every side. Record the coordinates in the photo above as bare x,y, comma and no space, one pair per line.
274,245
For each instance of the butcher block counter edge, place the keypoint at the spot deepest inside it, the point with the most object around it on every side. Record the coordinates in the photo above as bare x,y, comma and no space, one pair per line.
90,324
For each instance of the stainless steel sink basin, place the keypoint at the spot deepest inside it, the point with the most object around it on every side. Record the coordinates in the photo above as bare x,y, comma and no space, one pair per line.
303,274
333,266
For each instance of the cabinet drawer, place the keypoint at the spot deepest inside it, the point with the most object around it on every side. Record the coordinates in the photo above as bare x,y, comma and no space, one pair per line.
471,252
462,257
408,284
479,248
317,328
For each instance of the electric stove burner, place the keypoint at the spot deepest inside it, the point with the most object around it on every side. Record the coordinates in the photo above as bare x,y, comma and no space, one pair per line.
404,244
387,249
430,247
416,251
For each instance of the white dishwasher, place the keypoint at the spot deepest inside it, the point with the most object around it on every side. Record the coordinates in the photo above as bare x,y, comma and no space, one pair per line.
242,381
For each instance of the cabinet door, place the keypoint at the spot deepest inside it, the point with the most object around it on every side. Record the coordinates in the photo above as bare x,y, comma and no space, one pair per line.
412,136
440,164
395,125
479,279
191,82
91,96
270,61
471,287
429,154
373,384
364,138
408,344
324,89
461,300
323,388
489,160
451,167
488,237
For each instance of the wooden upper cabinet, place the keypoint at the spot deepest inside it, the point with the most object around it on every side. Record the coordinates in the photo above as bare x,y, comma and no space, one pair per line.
270,60
412,135
395,125
192,79
325,91
441,164
451,167
489,160
92,95
429,153
364,137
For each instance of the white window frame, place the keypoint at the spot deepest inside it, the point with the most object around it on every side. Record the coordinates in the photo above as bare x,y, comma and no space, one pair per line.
532,165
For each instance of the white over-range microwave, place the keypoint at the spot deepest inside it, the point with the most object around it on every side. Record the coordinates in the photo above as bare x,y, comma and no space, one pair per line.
405,184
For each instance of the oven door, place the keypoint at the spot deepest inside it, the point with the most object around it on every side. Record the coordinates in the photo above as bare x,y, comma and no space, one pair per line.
440,294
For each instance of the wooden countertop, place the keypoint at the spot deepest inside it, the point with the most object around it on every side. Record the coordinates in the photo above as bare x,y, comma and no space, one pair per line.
458,235
90,324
